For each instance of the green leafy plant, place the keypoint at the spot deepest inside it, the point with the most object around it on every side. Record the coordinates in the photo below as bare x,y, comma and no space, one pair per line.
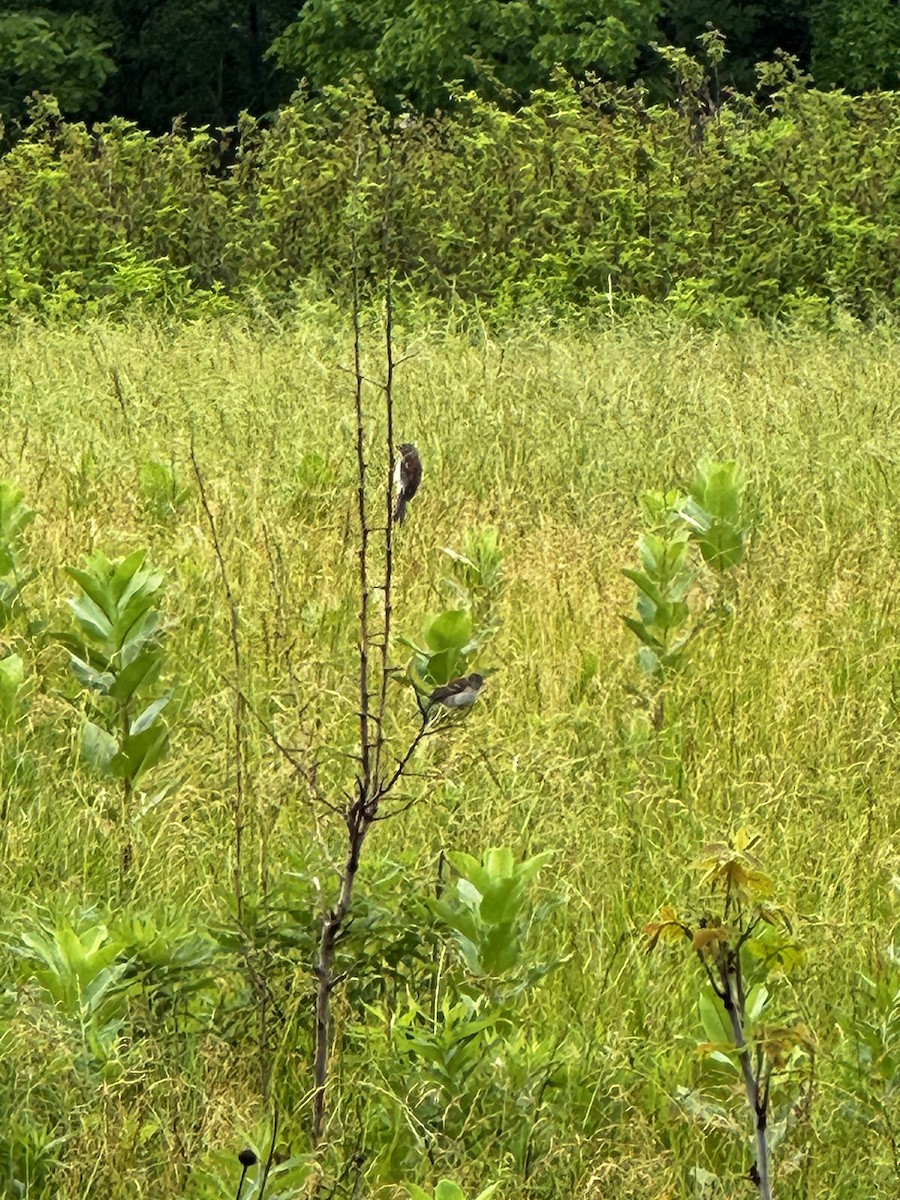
447,1190
714,514
490,913
80,973
161,491
476,581
117,654
663,582
712,517
743,945
452,1058
15,517
451,645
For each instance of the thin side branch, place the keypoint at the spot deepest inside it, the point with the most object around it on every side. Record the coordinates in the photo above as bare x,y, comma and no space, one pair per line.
237,805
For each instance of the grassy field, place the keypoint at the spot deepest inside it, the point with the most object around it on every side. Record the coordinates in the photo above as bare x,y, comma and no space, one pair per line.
785,721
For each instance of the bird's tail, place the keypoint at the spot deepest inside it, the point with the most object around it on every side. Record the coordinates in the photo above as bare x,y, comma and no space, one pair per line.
400,510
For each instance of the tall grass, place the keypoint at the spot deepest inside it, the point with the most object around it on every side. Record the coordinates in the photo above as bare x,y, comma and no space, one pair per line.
786,720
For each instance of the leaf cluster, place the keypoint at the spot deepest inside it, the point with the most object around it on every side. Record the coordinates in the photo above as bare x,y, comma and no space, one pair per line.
117,653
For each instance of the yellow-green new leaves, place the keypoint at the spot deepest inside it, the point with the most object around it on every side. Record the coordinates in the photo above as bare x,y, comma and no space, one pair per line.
666,928
735,868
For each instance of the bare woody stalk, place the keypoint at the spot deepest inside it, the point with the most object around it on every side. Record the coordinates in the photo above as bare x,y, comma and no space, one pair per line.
373,780
729,987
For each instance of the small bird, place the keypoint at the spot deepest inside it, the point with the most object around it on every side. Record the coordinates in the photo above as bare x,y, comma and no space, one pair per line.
458,693
407,477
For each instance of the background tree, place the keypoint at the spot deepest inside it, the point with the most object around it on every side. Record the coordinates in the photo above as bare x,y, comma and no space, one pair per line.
753,32
856,46
149,60
59,52
415,50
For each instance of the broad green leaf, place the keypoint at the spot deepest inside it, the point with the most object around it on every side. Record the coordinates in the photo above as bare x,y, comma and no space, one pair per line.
139,752
499,949
12,673
756,1001
148,716
125,575
92,620
651,551
714,1019
647,610
697,519
718,489
95,587
139,673
99,681
500,863
471,869
502,902
451,630
447,1190
643,633
722,546
645,583
98,748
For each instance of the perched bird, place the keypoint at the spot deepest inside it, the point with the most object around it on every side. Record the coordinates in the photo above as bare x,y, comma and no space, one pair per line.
407,477
458,693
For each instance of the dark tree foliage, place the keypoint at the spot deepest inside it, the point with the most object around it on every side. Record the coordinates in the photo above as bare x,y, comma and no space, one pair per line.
753,32
857,45
204,60
154,61
413,51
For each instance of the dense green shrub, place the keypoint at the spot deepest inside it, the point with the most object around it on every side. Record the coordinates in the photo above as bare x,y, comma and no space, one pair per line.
782,204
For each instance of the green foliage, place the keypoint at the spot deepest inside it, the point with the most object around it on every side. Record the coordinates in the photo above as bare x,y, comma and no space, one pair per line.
15,517
854,46
767,1052
451,643
476,582
416,53
788,723
714,515
490,913
110,220
80,974
44,51
588,200
663,615
118,654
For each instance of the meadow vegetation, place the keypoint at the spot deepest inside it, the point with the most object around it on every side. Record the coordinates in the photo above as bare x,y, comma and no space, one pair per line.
157,1005
781,203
